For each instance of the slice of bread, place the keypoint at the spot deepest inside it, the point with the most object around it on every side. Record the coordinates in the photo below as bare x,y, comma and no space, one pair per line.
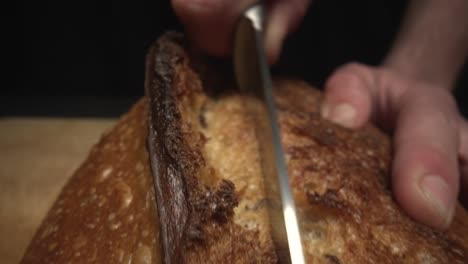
207,204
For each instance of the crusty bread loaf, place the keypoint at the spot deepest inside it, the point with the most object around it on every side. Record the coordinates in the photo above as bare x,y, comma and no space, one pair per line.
209,189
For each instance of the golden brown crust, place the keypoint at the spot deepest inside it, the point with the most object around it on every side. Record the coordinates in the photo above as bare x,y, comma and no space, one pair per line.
190,191
340,177
106,213
209,185
342,186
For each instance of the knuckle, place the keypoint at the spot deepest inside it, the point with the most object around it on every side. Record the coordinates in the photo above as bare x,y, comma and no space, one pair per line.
300,6
354,67
366,74
451,114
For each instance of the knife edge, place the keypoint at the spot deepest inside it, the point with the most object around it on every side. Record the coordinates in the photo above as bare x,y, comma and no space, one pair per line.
253,78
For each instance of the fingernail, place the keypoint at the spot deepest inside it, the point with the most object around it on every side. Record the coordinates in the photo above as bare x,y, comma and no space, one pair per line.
325,110
436,192
342,114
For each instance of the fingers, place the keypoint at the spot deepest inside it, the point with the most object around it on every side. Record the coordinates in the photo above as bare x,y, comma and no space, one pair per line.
349,93
425,166
425,122
284,16
211,23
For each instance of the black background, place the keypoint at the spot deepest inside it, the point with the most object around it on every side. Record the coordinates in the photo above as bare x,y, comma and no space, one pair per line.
86,58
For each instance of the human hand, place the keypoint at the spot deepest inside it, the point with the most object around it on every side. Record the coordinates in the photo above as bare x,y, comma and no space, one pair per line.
210,23
429,135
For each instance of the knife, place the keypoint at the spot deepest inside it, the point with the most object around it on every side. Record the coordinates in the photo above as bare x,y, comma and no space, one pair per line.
254,80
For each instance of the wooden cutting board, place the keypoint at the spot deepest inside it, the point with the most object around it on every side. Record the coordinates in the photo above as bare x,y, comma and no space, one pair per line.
37,156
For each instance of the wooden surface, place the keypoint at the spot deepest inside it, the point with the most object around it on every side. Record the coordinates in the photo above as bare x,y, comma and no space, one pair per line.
37,156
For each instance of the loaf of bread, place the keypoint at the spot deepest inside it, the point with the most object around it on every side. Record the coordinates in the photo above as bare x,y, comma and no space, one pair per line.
207,203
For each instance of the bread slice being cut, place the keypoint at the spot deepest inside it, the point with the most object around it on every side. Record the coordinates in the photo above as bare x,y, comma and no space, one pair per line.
208,205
